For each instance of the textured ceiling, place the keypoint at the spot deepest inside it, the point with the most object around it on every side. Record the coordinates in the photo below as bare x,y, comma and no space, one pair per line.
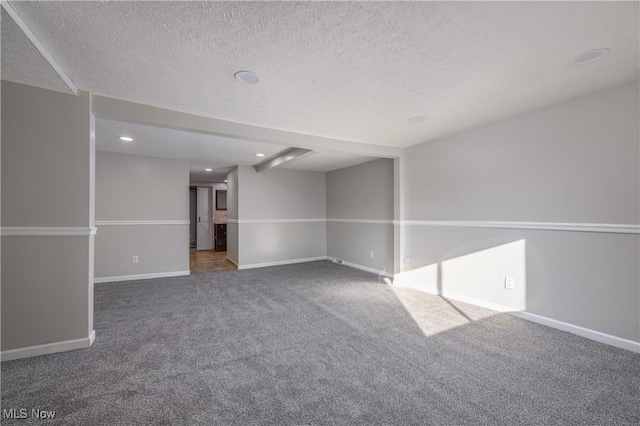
21,61
349,70
206,151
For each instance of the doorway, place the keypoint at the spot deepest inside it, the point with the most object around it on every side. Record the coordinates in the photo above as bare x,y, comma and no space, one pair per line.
201,218
207,230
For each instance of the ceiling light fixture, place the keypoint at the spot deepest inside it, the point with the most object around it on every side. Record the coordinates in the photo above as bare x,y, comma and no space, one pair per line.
259,154
125,138
417,119
246,77
226,180
208,170
589,57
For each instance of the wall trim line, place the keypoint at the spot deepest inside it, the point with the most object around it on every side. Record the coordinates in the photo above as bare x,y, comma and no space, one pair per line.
100,280
47,231
312,220
281,262
48,348
612,228
142,222
374,221
256,221
546,226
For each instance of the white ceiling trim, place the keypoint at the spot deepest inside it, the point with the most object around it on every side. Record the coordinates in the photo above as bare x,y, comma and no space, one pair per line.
6,4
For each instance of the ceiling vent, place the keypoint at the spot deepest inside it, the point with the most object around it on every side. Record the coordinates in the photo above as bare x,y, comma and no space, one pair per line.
589,57
246,77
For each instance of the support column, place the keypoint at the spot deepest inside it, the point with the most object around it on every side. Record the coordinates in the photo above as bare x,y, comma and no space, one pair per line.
47,169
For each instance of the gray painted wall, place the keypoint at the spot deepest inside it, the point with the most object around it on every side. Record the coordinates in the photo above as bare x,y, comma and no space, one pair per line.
277,194
138,188
45,290
283,207
41,152
576,161
353,242
261,243
135,187
46,182
362,192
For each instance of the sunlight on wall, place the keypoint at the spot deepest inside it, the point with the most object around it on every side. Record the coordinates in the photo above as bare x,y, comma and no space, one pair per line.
476,278
424,278
480,276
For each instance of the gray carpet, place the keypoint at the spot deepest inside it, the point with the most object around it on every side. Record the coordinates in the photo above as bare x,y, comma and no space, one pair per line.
318,343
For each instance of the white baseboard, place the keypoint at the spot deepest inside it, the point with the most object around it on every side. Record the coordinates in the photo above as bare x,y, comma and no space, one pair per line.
473,301
597,336
99,280
282,262
232,262
48,348
607,339
366,268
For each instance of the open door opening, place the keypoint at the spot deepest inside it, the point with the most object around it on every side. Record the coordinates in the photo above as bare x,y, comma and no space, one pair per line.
207,233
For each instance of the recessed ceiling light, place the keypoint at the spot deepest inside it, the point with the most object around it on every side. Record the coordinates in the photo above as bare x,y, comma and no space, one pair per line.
246,77
417,119
226,180
208,170
589,57
125,138
259,154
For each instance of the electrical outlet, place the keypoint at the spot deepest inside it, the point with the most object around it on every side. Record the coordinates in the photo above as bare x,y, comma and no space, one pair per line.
509,283
371,254
134,259
407,261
